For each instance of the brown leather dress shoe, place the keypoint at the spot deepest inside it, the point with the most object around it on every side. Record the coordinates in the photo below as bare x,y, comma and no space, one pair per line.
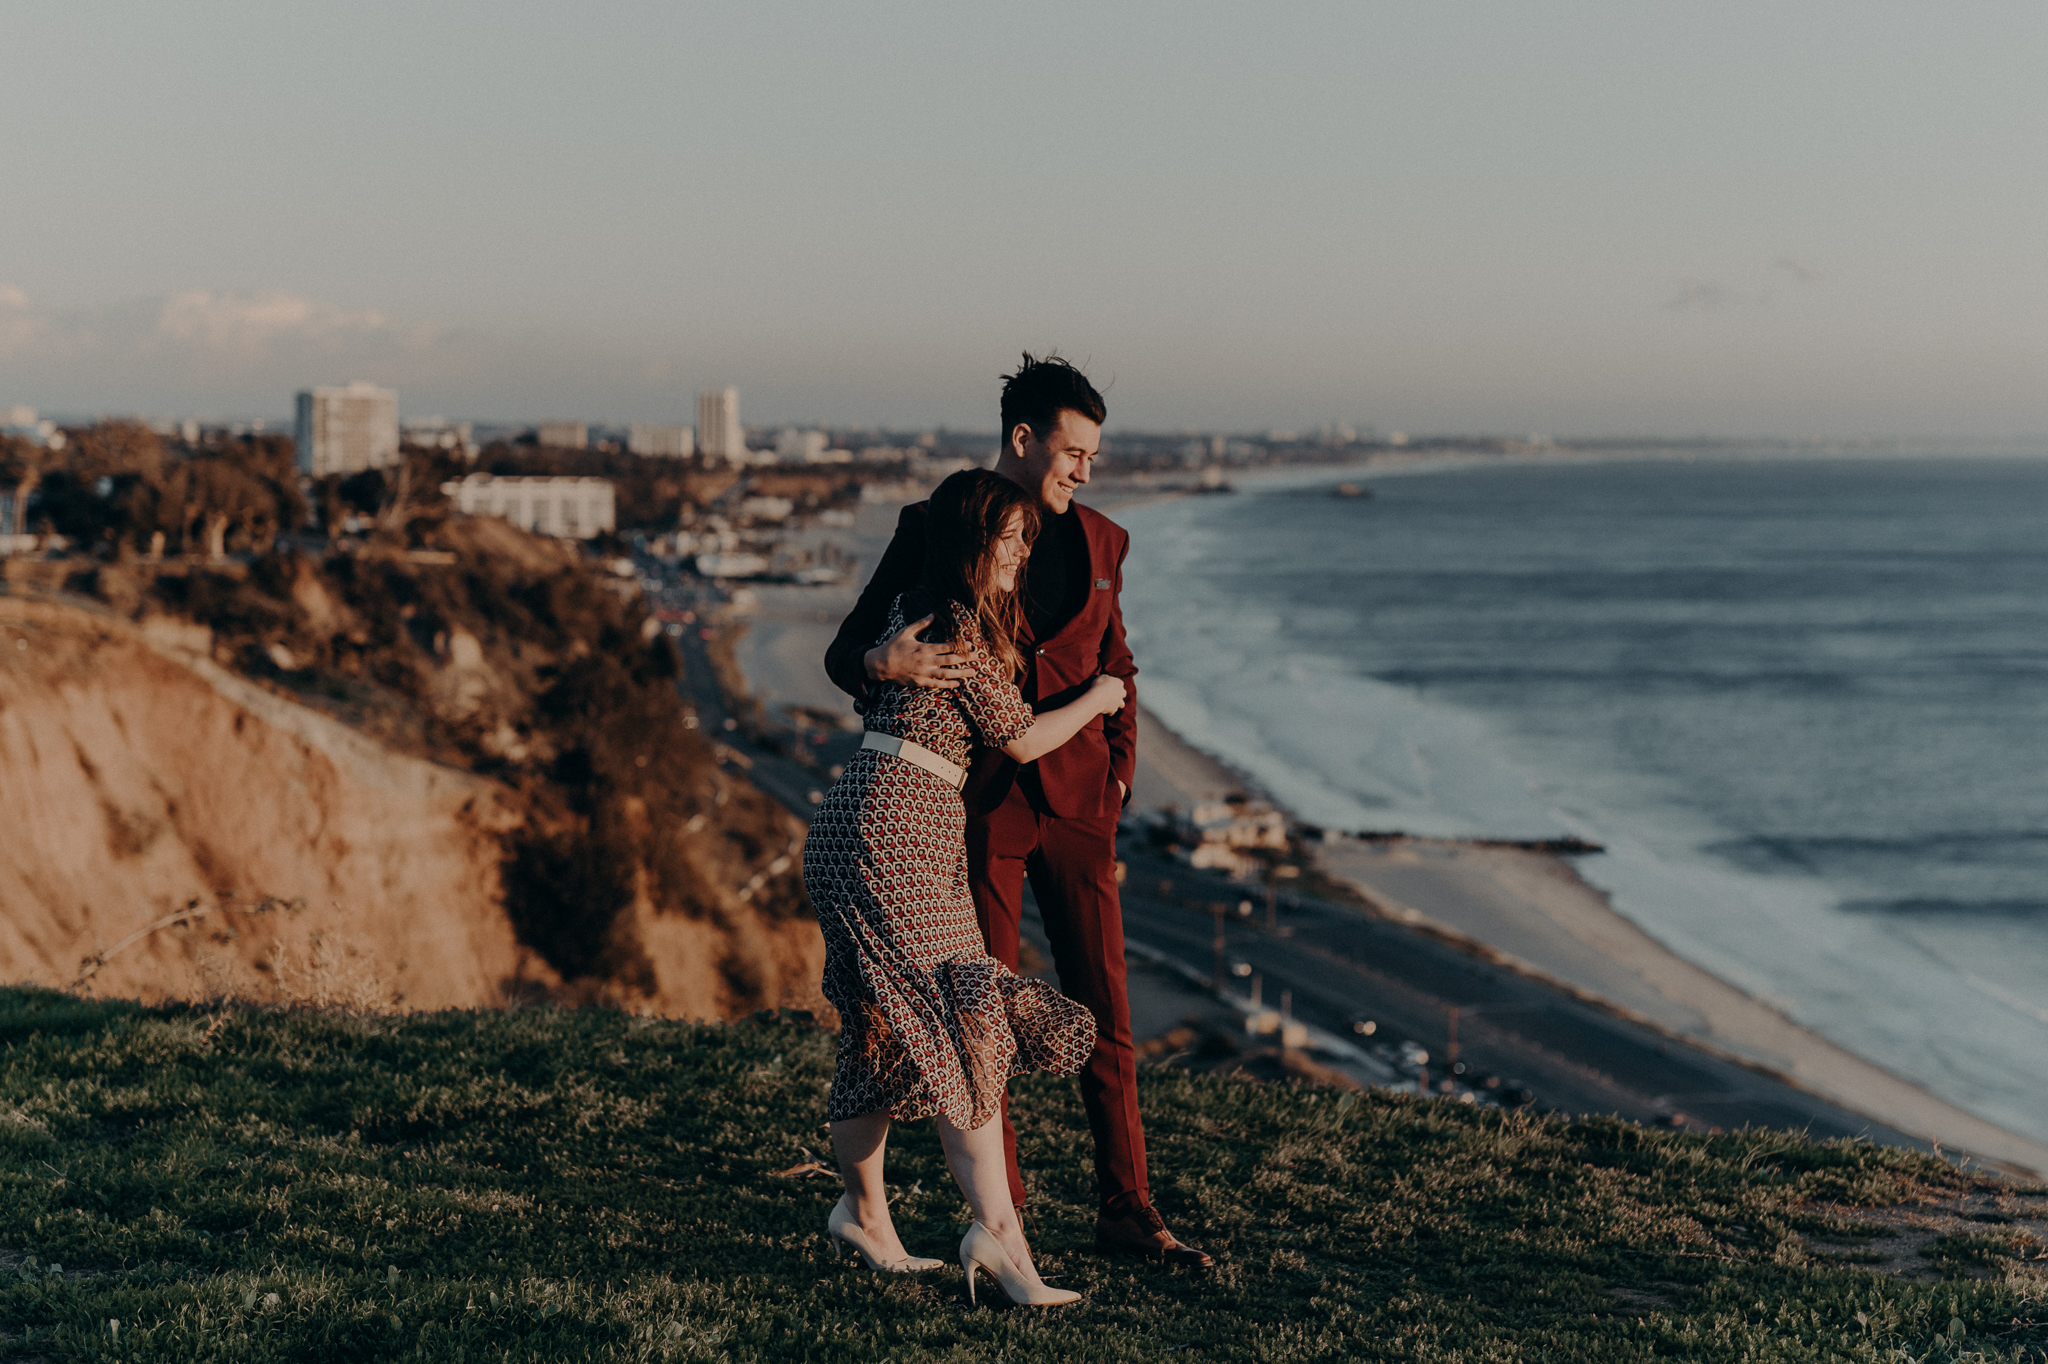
1142,1232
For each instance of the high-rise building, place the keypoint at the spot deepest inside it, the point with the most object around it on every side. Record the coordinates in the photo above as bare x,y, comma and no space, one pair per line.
719,433
671,442
564,435
346,430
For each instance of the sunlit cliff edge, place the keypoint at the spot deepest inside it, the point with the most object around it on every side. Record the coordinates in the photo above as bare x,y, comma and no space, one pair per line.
469,780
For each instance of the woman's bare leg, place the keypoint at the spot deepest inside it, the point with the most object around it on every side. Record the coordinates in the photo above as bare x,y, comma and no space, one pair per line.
859,1144
975,1156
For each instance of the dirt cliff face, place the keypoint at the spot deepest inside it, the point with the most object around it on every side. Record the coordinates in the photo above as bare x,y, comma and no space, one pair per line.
137,781
472,765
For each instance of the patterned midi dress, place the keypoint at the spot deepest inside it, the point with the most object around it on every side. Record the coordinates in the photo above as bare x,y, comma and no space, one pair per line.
930,1022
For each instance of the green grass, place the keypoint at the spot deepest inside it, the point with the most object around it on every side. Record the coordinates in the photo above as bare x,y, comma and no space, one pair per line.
244,1184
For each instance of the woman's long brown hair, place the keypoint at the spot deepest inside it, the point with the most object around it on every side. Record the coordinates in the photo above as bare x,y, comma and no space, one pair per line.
967,515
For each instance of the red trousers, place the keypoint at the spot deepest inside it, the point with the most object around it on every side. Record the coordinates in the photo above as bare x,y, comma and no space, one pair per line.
1072,866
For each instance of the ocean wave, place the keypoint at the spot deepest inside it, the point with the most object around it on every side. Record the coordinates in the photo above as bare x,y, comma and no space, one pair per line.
1919,908
1273,640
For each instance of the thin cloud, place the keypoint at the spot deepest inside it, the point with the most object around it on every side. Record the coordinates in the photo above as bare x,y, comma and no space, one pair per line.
1707,296
1702,296
214,351
198,324
232,321
206,350
19,324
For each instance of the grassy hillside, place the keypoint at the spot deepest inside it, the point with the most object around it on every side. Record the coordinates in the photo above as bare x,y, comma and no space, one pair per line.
241,1184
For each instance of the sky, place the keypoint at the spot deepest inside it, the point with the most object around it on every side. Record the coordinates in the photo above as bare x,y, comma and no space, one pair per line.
1570,219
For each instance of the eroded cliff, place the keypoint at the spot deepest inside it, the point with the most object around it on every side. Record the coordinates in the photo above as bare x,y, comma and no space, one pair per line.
471,765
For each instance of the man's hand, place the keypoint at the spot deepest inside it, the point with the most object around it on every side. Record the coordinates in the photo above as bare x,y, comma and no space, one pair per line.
904,659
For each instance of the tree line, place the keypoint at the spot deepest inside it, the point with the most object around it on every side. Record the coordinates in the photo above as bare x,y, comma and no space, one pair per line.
120,487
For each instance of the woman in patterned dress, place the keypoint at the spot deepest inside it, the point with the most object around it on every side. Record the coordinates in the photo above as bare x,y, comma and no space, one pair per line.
931,1023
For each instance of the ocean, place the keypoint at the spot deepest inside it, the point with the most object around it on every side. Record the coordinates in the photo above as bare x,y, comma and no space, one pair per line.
1801,701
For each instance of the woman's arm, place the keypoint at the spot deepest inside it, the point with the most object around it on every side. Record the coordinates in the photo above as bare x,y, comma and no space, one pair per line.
1105,696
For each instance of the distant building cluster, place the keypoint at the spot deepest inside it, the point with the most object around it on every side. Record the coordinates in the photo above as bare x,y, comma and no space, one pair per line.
19,421
799,447
661,442
346,430
794,446
573,508
563,435
438,433
353,427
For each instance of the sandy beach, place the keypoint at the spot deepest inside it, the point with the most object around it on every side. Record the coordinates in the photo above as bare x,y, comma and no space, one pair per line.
1531,913
1523,911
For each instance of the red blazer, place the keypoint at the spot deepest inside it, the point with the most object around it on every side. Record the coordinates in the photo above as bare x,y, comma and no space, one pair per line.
1080,776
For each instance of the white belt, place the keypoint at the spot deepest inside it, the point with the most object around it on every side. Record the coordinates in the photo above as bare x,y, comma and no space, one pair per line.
917,755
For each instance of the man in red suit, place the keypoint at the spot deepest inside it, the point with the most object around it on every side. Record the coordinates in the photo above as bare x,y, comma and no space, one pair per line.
1053,820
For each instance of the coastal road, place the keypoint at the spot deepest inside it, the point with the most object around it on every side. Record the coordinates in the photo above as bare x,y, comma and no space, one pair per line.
766,763
1342,965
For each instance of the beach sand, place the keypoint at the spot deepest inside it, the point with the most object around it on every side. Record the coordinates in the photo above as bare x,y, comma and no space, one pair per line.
789,627
1531,913
1525,911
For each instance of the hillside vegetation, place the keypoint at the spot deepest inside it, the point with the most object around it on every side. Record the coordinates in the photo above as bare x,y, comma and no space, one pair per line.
630,865
234,1183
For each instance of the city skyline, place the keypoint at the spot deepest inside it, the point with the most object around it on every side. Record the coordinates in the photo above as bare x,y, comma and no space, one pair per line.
1581,220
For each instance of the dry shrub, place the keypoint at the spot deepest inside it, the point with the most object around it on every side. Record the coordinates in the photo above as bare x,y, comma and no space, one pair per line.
329,973
302,966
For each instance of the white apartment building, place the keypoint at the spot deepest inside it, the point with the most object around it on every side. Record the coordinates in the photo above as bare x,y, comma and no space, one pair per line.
719,433
563,435
669,442
794,446
346,430
573,508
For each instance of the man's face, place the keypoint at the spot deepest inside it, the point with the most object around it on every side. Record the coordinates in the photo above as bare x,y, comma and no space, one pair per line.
1058,465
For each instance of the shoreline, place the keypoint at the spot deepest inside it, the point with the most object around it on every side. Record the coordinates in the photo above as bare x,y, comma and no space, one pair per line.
1531,913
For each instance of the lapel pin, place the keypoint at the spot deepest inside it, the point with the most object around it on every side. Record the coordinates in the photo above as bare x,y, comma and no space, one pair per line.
1102,584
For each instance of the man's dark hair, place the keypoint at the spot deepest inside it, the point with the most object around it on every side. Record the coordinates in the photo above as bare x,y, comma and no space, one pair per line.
1042,389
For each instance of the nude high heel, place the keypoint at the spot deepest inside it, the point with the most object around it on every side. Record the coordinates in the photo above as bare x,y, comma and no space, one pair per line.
846,1232
979,1249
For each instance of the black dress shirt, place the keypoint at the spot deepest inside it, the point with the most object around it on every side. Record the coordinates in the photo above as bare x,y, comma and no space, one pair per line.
1056,575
